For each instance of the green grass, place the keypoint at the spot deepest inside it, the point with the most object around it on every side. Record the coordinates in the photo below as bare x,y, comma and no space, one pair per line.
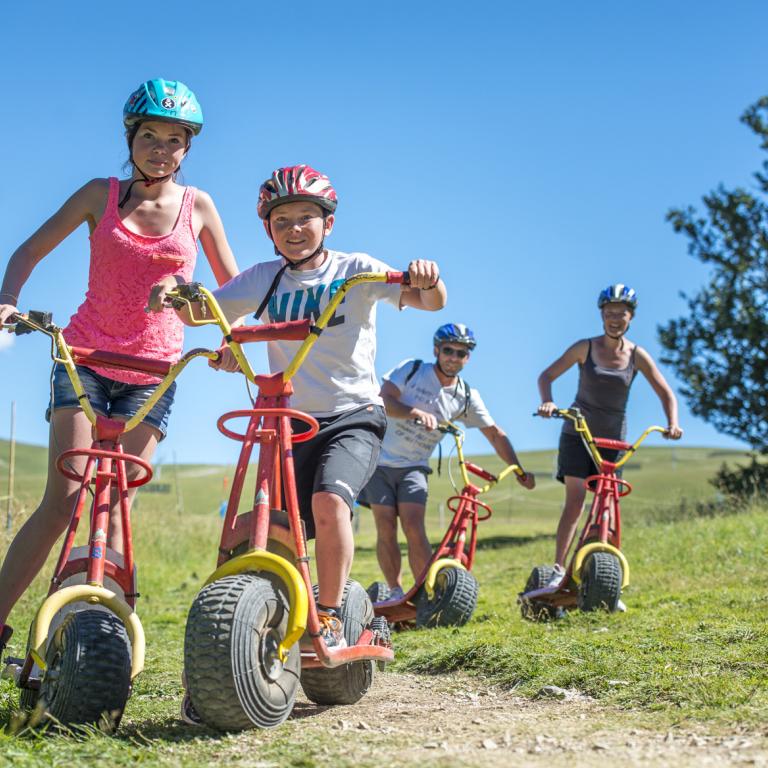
691,647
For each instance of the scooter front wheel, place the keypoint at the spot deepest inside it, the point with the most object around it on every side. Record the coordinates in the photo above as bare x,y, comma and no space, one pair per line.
600,587
453,603
88,676
234,675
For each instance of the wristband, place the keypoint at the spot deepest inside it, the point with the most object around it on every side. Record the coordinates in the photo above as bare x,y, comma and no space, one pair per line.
15,298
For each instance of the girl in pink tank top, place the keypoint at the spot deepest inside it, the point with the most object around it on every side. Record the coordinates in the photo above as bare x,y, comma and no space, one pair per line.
143,233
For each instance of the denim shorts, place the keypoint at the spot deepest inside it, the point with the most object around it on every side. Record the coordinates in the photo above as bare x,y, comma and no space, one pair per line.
110,398
391,486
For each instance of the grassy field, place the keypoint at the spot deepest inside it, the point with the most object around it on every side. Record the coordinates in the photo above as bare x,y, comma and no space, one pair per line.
692,647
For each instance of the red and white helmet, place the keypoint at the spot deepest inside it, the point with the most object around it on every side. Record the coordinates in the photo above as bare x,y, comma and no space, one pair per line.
296,183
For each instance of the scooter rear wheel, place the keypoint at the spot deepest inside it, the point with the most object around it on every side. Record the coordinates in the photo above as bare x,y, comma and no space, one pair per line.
600,587
88,675
453,603
538,610
349,683
234,675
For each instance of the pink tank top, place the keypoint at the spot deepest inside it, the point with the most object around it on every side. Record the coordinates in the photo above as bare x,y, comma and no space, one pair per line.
124,266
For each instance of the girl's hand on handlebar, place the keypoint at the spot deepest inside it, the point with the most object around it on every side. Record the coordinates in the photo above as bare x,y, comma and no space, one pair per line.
225,362
528,480
426,420
673,432
158,300
423,274
7,312
546,409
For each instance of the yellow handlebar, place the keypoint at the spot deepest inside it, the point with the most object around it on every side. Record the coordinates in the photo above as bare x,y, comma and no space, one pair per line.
211,313
62,353
580,425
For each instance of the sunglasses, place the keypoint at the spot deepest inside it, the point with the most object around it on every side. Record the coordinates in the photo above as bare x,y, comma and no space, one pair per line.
453,352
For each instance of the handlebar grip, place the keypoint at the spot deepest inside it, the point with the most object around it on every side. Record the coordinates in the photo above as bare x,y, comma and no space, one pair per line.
292,330
400,278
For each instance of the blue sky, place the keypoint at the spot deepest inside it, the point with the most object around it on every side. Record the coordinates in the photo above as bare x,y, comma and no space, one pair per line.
531,149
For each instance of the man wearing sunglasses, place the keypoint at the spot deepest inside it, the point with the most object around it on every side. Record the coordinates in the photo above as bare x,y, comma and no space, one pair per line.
417,397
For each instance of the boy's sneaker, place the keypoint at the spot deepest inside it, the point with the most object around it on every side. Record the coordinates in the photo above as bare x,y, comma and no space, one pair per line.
188,712
331,630
556,579
396,593
5,636
621,607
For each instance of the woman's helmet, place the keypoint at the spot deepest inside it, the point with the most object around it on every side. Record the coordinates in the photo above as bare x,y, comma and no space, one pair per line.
618,294
454,332
293,184
168,100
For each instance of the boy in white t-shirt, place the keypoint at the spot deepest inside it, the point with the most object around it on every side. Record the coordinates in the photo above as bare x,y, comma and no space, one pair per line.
418,396
337,382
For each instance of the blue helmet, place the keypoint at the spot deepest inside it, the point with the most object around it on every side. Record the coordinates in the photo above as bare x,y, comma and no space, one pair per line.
618,294
168,100
455,332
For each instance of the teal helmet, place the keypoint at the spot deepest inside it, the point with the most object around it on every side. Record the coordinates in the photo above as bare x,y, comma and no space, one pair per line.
168,100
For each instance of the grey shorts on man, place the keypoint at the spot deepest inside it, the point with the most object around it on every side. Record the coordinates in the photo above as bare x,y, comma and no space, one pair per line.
391,486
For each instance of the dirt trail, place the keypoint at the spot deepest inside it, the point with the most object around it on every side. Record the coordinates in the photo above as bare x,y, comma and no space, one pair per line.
417,720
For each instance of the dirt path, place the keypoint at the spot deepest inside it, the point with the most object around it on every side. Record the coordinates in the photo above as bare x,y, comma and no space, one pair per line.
416,720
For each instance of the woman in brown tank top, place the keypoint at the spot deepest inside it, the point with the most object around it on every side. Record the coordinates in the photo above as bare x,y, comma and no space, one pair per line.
607,366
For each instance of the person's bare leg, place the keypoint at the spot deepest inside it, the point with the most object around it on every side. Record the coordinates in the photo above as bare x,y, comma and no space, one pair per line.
34,541
569,519
334,546
419,549
387,548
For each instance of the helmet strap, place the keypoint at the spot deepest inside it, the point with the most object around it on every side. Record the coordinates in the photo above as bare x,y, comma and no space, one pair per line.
620,337
276,281
148,182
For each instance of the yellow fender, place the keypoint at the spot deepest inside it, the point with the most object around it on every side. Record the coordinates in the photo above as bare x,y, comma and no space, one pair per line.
261,560
597,546
96,596
434,569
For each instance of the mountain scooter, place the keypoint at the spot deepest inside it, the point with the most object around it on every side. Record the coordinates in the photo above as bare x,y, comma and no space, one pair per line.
445,592
86,644
598,570
242,652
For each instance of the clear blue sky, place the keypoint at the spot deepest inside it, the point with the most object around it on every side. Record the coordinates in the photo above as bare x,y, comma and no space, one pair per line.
532,149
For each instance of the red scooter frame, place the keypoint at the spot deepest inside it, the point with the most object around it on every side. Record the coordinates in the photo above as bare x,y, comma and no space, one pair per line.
105,476
270,538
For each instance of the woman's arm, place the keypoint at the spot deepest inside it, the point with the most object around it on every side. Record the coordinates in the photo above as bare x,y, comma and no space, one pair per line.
648,368
214,240
576,353
79,208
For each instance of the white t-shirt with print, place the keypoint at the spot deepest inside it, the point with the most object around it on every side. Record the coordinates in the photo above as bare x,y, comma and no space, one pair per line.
338,374
408,444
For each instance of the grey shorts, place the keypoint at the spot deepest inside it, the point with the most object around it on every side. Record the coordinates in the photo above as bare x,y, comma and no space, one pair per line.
391,486
340,459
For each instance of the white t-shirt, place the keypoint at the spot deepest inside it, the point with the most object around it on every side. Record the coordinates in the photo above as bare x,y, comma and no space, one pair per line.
408,444
338,374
